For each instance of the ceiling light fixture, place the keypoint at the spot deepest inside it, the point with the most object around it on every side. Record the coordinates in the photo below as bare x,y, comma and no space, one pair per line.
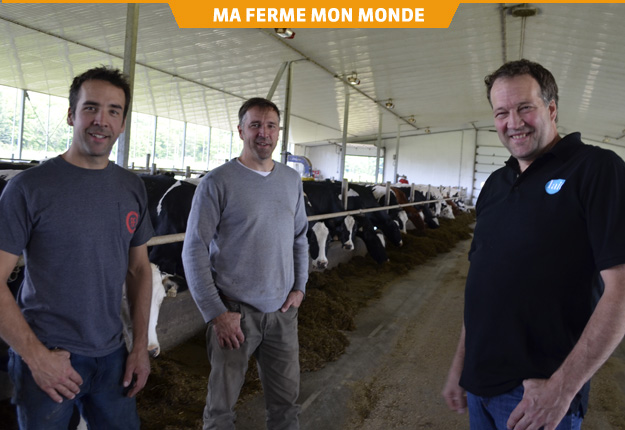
353,79
411,120
285,33
389,104
523,11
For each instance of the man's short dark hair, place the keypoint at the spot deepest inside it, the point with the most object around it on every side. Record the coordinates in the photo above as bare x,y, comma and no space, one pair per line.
260,103
103,73
511,69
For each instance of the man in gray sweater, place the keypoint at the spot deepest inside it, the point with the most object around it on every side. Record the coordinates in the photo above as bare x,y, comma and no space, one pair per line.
246,260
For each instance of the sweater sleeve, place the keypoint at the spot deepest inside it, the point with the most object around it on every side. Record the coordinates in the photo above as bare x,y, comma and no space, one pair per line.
201,228
300,244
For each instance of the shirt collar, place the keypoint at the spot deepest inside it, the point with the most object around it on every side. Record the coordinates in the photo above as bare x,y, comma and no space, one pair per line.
563,149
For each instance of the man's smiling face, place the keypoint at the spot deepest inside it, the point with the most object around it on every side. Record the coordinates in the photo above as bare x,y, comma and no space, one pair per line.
525,124
98,119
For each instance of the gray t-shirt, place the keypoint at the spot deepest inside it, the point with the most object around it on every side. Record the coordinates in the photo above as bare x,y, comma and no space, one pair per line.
75,227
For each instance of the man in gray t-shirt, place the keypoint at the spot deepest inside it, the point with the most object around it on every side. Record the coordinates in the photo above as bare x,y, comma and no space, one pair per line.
82,225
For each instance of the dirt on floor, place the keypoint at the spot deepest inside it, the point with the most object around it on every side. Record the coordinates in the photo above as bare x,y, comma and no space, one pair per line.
405,391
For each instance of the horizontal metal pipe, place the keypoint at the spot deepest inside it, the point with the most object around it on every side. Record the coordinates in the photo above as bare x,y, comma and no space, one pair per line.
179,237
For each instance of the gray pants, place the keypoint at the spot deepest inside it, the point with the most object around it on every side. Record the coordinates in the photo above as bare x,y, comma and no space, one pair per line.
272,339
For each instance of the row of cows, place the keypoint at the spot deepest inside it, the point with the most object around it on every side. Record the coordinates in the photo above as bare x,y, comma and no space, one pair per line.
361,214
169,204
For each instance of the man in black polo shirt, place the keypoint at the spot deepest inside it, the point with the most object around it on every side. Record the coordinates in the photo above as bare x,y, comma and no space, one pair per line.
549,240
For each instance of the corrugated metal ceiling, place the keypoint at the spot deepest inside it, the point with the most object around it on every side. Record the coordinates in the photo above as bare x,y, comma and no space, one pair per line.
435,75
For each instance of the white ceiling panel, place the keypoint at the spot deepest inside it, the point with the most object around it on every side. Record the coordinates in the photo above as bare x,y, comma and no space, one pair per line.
436,75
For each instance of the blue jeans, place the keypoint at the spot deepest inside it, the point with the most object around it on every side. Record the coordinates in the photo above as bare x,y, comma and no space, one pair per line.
101,400
492,413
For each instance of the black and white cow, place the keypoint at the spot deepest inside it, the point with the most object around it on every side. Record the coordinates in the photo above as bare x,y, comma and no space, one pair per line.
361,197
372,237
441,207
398,215
364,228
169,205
415,213
456,196
430,219
322,198
158,294
318,238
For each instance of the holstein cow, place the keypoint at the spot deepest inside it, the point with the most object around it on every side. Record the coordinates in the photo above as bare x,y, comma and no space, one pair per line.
318,238
372,237
441,208
322,198
398,215
158,294
429,217
414,213
362,196
169,204
454,193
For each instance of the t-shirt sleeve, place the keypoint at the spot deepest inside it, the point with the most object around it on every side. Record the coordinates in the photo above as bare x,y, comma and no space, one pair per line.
145,230
605,210
16,221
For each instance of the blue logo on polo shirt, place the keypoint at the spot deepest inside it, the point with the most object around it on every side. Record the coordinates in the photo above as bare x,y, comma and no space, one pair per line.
554,185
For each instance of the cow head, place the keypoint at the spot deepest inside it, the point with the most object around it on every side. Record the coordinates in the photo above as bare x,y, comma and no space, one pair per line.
347,231
402,221
318,241
373,241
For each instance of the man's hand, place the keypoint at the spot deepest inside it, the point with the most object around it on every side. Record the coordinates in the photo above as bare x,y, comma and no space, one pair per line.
543,406
54,374
455,396
137,371
293,299
227,327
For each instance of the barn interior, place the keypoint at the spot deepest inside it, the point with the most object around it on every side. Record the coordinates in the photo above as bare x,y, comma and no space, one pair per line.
419,96
412,100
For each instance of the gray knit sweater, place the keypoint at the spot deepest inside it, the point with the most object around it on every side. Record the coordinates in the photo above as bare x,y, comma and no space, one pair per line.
246,238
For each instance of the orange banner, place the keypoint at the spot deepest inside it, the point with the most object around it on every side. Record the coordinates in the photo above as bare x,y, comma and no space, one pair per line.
307,13
322,14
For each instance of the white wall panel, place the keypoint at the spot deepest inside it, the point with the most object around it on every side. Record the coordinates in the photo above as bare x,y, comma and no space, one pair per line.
326,159
436,159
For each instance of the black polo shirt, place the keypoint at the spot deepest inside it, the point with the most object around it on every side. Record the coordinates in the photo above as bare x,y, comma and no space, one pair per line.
540,239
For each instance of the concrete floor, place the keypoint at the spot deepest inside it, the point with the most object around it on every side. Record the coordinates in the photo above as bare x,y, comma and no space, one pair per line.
325,394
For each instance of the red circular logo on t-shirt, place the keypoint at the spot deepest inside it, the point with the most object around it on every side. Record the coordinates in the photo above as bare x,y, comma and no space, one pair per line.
131,221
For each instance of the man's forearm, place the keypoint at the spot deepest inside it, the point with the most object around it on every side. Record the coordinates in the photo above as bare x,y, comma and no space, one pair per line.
14,329
139,293
602,334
